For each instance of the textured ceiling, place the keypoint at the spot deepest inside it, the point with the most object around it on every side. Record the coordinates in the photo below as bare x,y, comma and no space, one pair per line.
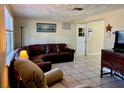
61,11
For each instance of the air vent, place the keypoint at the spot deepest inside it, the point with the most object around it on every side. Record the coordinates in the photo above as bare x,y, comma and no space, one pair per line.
66,25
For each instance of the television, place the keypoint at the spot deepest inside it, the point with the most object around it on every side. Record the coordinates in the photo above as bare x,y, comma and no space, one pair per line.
119,41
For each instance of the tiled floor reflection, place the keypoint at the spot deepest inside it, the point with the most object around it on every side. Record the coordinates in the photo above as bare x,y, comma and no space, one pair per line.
86,70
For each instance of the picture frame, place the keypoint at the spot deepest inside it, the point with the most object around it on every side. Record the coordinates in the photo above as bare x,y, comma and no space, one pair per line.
46,27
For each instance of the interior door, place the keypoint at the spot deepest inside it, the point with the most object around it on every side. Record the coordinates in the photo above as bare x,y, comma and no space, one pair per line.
81,39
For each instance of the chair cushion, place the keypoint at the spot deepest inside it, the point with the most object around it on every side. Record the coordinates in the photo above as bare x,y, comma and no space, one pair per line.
30,73
37,49
61,48
51,48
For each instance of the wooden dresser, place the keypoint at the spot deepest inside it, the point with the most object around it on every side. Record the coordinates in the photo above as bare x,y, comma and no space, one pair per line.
114,61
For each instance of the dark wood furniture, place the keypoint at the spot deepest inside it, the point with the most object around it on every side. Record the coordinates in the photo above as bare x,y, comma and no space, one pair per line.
114,61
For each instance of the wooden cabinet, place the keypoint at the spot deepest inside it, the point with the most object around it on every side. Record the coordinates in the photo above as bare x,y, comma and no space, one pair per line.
114,61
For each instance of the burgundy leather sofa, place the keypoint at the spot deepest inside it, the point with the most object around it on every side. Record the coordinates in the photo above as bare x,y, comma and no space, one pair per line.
49,52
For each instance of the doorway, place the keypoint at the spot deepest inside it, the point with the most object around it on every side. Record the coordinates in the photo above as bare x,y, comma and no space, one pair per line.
81,39
91,41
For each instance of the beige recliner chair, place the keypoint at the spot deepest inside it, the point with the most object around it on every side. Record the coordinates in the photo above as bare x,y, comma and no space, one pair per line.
33,77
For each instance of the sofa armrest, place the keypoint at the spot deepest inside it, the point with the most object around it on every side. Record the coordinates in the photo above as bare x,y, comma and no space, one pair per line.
70,50
45,66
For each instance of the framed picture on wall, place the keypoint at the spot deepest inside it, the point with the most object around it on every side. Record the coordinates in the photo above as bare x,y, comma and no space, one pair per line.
46,27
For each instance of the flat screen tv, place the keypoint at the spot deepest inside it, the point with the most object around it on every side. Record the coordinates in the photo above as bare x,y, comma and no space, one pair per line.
119,41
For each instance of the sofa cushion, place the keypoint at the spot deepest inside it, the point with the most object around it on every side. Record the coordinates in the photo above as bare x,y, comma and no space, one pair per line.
45,57
30,73
37,49
61,48
45,66
51,48
65,55
37,60
49,56
57,57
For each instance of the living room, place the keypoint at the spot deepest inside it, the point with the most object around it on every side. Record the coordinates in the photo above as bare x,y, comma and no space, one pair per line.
85,67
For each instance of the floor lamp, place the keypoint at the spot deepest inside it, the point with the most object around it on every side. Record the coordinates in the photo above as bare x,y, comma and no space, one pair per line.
21,34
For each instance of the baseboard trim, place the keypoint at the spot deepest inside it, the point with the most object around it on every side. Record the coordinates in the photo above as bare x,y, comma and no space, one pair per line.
94,54
88,54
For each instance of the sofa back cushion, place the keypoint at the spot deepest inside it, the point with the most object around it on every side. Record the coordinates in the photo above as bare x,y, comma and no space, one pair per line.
61,48
37,49
51,48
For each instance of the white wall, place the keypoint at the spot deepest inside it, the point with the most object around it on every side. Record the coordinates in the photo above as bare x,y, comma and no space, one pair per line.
96,37
114,18
31,36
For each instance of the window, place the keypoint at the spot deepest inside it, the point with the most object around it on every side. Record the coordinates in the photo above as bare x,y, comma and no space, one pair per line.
8,20
9,42
9,33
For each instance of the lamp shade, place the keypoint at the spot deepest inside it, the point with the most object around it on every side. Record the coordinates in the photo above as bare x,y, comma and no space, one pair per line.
23,54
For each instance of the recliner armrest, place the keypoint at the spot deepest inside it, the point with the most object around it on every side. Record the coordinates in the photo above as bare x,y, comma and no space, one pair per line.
53,76
70,50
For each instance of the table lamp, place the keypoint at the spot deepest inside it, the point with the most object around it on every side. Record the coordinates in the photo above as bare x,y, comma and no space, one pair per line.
23,54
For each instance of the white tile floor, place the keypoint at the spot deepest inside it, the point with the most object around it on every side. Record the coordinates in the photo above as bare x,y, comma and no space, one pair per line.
86,70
